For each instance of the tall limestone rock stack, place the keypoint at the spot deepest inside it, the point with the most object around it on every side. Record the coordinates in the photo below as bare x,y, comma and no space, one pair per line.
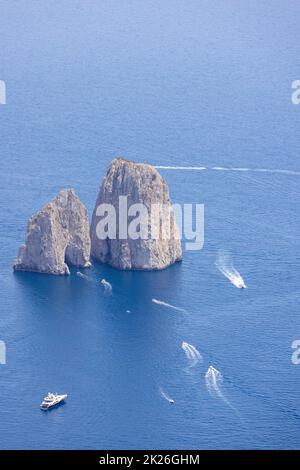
142,184
57,236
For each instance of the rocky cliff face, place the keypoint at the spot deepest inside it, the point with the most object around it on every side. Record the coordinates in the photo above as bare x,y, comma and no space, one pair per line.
57,236
142,184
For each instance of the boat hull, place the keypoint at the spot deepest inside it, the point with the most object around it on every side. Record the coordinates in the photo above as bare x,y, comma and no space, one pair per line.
57,402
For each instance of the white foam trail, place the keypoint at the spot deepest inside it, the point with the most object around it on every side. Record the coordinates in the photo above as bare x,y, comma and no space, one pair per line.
239,169
213,381
107,286
165,304
83,276
165,395
225,266
191,168
191,353
283,172
221,168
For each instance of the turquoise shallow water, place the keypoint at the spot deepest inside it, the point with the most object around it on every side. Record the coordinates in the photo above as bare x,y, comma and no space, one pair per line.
179,84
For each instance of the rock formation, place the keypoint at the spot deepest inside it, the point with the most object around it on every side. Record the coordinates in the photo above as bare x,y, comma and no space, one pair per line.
57,236
141,184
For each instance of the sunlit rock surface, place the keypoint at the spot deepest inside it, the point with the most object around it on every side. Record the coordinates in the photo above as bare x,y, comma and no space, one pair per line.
141,183
57,236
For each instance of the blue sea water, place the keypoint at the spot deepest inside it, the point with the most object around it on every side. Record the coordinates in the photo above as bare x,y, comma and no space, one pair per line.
173,83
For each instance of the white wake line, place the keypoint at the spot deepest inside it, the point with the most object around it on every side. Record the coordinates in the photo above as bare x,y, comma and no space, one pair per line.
166,396
192,168
165,304
195,168
220,168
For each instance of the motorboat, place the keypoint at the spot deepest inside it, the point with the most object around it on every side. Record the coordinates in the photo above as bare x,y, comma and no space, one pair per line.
239,283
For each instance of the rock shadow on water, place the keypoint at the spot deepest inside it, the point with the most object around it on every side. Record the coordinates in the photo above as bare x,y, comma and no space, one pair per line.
50,291
134,290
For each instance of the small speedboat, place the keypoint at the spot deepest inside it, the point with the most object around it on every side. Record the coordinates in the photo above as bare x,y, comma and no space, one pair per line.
51,400
239,283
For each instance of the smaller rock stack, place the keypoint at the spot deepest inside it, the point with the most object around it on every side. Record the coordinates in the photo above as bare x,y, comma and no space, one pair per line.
57,236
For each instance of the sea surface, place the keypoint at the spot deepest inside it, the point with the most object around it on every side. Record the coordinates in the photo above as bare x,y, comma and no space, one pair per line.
172,83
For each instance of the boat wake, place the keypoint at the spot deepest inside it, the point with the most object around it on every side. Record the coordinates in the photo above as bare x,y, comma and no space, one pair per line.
107,286
221,168
83,276
225,266
192,354
192,168
164,395
165,304
213,381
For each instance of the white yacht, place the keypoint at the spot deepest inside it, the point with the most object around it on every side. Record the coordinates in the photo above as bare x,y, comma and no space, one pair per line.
52,399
